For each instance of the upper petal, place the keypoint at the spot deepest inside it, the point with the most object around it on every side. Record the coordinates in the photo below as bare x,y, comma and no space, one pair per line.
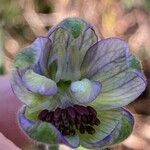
31,56
116,125
42,45
70,41
111,62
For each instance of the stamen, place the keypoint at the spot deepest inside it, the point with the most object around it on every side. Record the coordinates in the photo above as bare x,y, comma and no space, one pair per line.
71,112
43,114
82,129
70,119
49,116
57,113
90,129
97,122
92,111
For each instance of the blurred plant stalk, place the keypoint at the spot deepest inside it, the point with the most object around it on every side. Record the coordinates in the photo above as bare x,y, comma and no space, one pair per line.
2,70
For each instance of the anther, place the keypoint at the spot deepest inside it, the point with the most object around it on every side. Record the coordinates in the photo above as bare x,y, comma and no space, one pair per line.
97,122
84,119
79,109
64,114
49,116
72,118
57,113
82,129
92,111
43,114
71,112
78,118
90,130
72,132
77,125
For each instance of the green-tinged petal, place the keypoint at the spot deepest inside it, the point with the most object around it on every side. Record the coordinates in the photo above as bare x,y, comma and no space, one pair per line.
33,110
111,62
120,91
83,148
33,100
39,84
30,56
74,26
26,96
116,125
25,58
125,128
45,132
42,45
72,141
69,45
32,115
39,131
85,90
109,121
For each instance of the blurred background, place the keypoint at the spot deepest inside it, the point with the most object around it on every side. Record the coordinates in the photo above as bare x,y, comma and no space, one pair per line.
22,20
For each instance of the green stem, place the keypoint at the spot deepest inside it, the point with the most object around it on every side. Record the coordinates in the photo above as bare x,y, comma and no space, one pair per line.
53,147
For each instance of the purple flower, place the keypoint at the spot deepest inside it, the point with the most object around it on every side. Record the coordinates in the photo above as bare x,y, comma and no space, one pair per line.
74,87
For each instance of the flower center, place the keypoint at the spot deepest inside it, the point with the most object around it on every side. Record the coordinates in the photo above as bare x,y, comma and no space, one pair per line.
64,85
72,119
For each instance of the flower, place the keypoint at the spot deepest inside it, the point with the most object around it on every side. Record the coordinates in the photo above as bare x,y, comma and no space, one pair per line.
74,87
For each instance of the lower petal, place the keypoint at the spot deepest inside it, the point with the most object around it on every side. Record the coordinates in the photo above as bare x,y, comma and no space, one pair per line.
116,125
125,128
45,132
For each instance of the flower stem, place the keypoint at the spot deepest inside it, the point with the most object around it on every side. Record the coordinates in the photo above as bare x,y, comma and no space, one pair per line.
53,147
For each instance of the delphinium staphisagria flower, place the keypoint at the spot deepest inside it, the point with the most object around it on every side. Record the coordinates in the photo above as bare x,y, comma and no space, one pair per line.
75,85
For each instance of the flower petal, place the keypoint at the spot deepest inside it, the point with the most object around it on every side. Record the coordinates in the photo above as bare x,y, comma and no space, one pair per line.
43,46
30,56
40,131
39,84
29,98
116,125
110,62
125,128
33,111
72,141
24,122
70,41
26,96
45,132
26,58
85,90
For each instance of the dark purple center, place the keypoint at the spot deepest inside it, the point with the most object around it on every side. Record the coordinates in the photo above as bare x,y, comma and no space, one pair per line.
70,119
